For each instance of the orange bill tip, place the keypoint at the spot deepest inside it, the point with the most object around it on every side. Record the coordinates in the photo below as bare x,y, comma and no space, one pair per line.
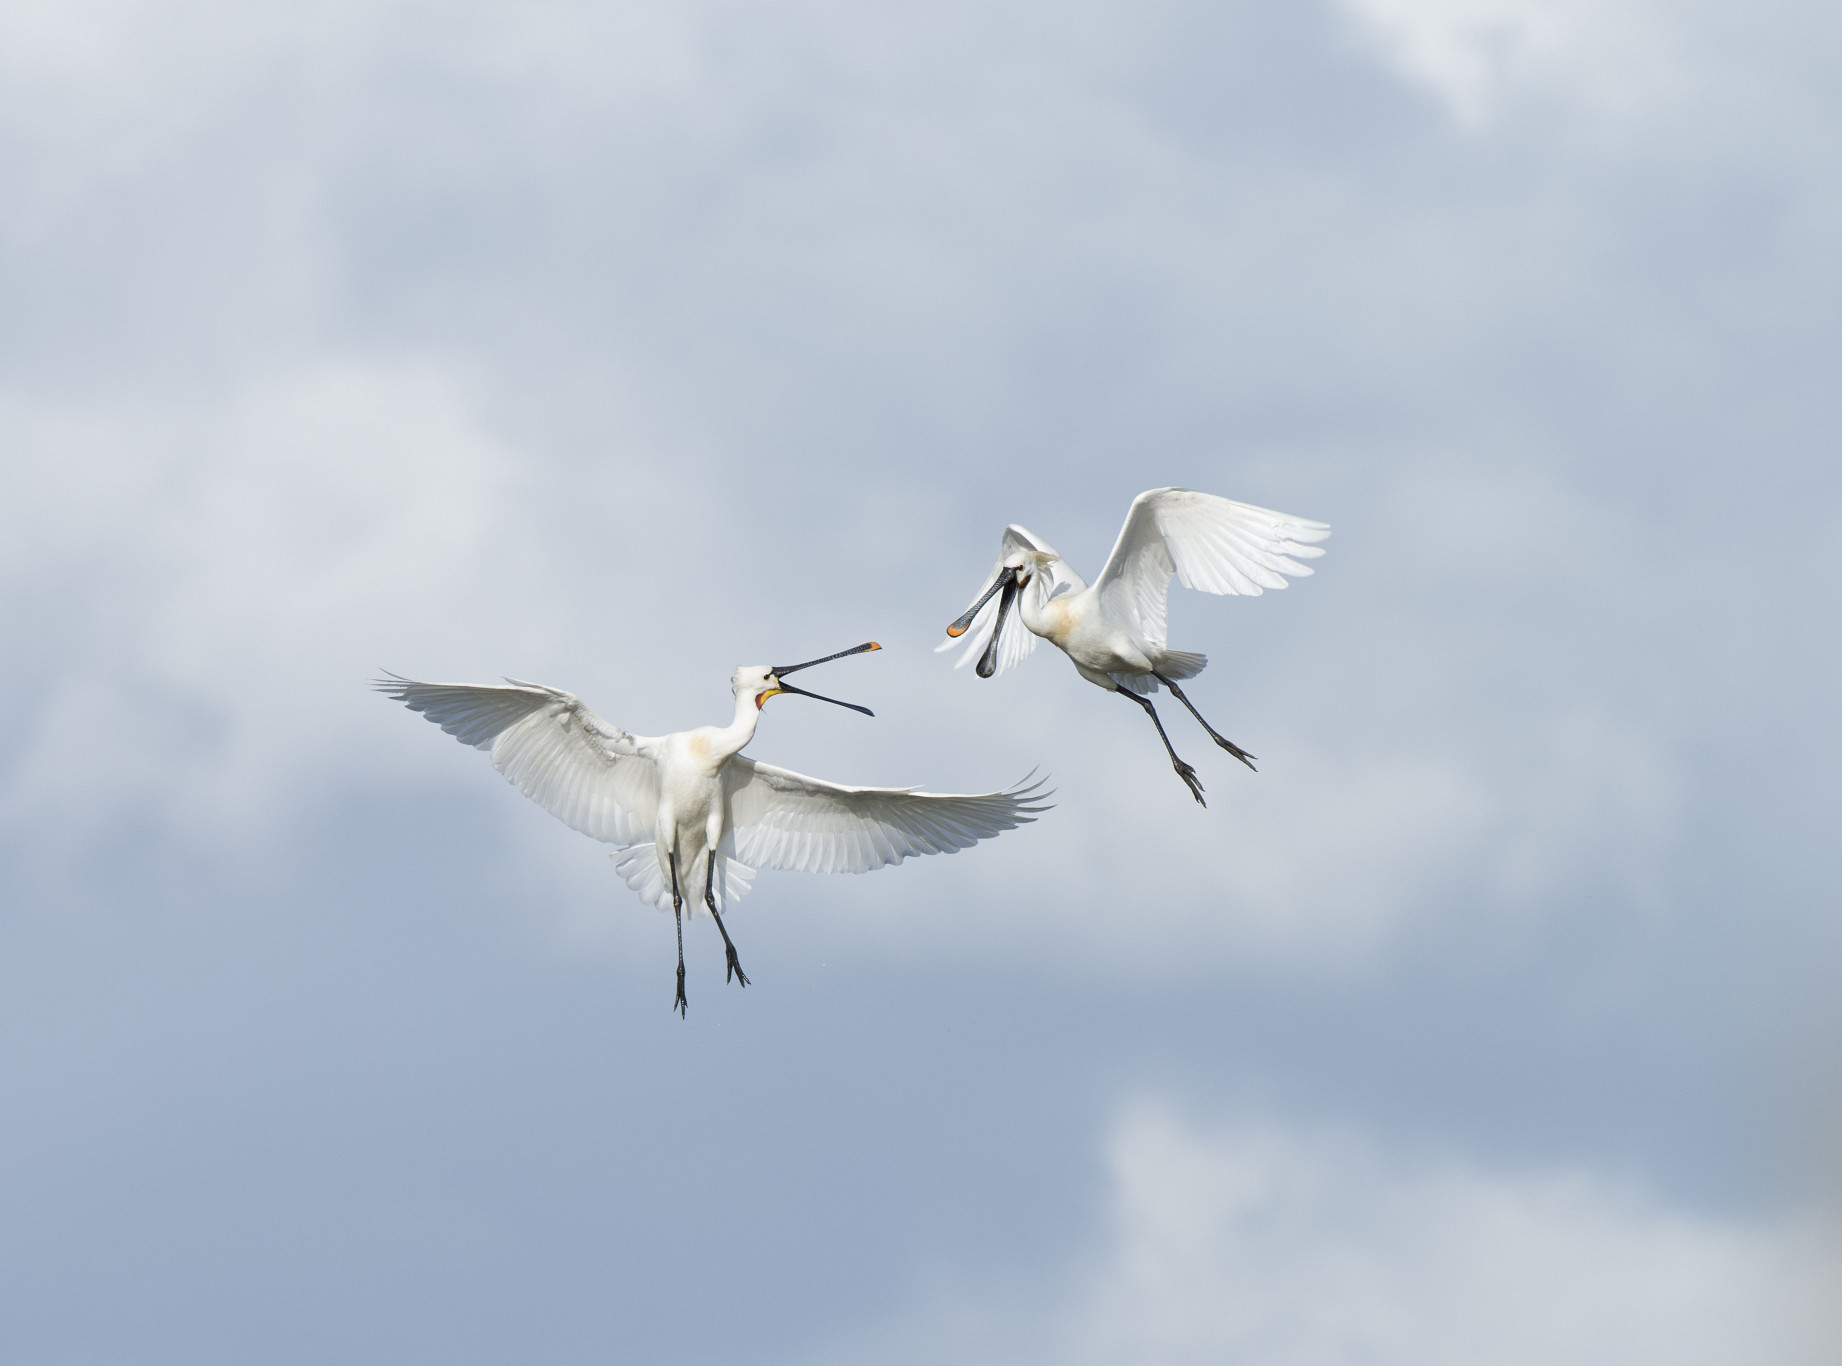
956,631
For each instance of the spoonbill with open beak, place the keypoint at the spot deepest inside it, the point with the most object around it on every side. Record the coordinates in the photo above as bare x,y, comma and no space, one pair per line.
689,814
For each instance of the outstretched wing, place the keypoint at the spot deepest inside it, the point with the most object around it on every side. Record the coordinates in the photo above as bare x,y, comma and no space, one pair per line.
586,773
1015,644
1210,543
783,819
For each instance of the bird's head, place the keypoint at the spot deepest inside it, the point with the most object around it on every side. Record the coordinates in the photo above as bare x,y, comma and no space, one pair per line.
1015,571
753,680
1024,564
762,681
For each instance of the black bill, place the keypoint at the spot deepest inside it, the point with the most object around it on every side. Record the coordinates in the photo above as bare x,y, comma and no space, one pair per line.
854,650
780,673
1006,577
988,662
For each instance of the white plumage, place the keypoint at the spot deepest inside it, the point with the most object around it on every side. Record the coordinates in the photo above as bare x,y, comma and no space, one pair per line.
692,818
1116,631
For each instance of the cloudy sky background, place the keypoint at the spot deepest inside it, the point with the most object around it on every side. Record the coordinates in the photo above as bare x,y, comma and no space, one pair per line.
617,345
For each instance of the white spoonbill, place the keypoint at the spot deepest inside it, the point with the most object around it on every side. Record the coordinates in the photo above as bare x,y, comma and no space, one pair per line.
687,812
1114,631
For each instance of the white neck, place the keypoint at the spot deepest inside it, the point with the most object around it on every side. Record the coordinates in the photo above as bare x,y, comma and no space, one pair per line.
732,738
1031,599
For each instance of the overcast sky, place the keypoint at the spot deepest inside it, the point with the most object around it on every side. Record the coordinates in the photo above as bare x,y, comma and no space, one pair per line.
614,346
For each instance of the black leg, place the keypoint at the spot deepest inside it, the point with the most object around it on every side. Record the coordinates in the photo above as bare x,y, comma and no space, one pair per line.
1184,771
1225,743
680,1005
735,964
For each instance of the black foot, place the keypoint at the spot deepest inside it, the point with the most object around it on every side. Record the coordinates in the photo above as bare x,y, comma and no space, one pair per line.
735,966
680,1005
1214,734
1237,751
1188,774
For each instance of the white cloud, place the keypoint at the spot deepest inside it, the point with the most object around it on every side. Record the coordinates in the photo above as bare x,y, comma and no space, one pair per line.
1476,56
311,530
1716,84
67,39
1275,1246
225,581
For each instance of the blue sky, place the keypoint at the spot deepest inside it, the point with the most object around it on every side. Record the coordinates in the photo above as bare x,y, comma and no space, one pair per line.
616,346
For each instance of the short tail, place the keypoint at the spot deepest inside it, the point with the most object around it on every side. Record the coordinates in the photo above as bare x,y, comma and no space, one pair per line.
1175,664
638,867
1182,664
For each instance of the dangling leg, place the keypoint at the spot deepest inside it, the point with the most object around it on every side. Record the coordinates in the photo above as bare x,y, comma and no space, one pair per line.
1226,744
680,1004
735,964
1184,771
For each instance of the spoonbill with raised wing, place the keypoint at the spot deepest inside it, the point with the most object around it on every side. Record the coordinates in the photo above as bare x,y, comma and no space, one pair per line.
1114,631
689,814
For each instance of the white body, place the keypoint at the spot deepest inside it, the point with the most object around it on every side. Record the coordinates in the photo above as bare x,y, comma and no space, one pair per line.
1115,631
691,792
